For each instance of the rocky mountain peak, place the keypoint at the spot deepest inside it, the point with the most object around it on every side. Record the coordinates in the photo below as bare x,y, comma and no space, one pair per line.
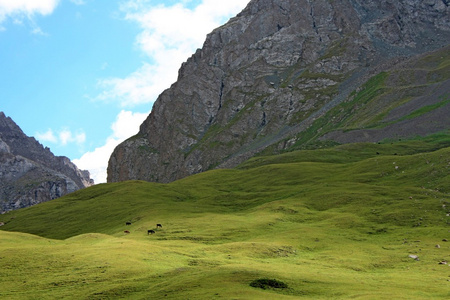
30,173
267,75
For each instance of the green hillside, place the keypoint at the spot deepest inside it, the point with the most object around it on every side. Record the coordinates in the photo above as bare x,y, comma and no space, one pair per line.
398,102
323,224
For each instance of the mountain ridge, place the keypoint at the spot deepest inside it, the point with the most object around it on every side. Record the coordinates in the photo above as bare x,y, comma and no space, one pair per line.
30,173
272,71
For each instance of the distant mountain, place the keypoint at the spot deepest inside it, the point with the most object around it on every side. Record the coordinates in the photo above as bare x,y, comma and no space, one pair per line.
31,174
293,74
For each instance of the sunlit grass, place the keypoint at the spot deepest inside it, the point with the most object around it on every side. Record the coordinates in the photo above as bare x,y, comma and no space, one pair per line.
330,224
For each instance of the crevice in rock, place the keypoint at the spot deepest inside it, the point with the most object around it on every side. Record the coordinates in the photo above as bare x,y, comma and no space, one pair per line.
263,121
311,13
284,11
399,21
222,87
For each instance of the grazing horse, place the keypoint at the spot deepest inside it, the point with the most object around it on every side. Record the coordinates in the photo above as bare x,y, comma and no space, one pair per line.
158,226
126,231
128,223
150,231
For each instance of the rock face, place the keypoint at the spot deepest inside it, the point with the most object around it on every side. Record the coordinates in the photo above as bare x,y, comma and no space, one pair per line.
31,174
268,75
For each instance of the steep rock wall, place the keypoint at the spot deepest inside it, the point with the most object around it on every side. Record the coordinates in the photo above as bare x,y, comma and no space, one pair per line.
267,74
31,174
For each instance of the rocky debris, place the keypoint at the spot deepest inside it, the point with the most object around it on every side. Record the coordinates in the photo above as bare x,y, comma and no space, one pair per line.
267,75
415,257
31,174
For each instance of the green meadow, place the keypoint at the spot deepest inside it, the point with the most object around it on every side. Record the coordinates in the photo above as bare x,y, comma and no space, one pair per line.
335,223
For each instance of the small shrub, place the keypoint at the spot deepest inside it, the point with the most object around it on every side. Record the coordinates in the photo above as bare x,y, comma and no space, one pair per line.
265,283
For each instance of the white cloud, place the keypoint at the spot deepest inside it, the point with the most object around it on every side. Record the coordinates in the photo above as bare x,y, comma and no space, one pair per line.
26,8
126,125
66,136
47,136
38,31
63,137
142,86
97,161
170,34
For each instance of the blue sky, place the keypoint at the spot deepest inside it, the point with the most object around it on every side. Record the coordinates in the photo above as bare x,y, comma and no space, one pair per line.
81,75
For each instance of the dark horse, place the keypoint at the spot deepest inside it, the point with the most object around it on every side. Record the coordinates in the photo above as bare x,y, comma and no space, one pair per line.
158,226
128,223
150,231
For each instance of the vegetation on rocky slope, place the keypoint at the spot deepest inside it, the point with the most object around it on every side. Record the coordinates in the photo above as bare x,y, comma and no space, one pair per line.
286,73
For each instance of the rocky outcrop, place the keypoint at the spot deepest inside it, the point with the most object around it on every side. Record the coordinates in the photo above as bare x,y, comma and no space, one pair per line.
31,174
267,75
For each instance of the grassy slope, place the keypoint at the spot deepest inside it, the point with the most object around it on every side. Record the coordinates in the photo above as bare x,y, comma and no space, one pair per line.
369,108
335,223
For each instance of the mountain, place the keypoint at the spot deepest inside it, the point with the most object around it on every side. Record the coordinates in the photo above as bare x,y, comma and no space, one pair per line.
293,74
31,174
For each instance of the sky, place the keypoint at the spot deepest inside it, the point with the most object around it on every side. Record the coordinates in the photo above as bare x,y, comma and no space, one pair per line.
80,76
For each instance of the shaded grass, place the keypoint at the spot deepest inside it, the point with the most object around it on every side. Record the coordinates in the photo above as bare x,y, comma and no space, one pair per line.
426,109
369,105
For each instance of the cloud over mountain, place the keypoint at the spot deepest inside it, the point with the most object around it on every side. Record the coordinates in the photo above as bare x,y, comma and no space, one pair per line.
170,34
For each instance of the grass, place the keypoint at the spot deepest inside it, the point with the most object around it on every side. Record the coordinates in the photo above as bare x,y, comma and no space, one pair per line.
327,224
426,109
379,96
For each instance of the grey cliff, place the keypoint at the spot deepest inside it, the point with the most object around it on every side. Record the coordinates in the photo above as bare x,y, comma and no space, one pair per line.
263,78
31,174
